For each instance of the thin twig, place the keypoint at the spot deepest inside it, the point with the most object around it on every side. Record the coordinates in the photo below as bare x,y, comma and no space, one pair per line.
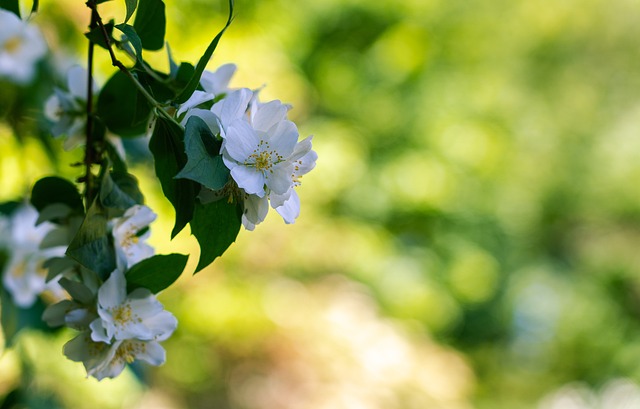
117,63
90,155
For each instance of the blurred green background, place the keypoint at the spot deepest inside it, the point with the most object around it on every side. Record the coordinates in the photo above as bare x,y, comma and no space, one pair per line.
470,237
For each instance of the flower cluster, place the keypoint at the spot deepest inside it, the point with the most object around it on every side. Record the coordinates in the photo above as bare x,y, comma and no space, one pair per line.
115,327
260,146
24,275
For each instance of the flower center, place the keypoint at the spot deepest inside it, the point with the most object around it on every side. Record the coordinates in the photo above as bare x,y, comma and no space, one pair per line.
128,351
121,314
263,158
12,44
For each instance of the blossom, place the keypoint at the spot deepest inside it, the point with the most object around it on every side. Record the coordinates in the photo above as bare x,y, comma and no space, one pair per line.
258,160
130,232
24,275
67,108
102,360
138,315
21,46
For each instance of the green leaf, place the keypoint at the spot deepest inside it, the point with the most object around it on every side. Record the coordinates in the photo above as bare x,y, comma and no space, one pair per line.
11,5
215,225
156,273
7,208
92,246
131,7
34,6
202,63
167,147
204,162
119,190
150,24
97,37
58,265
51,190
122,107
132,37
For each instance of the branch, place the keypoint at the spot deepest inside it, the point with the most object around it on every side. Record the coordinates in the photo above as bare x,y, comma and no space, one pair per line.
117,63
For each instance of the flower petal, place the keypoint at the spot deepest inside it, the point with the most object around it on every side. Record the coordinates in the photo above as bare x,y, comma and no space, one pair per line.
290,210
283,137
240,141
267,115
278,179
249,179
197,98
114,291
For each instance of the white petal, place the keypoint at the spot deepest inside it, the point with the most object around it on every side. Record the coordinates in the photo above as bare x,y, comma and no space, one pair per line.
240,141
255,209
233,106
99,332
54,314
197,98
249,179
218,82
268,114
278,179
162,325
114,291
290,210
283,137
152,353
207,116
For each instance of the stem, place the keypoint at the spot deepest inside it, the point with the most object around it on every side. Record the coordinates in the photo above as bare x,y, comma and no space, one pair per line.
91,154
117,63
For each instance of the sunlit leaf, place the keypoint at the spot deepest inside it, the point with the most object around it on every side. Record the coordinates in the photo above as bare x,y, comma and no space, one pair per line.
131,7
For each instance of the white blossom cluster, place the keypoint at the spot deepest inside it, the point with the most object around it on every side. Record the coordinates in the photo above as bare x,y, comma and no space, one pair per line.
115,327
24,275
259,146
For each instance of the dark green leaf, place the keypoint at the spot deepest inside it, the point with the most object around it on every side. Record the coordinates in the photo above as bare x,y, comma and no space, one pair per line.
120,190
77,290
150,24
122,107
215,226
34,6
167,147
204,163
156,273
55,212
51,190
7,208
97,36
11,5
131,7
119,164
202,63
92,246
132,37
58,265
184,74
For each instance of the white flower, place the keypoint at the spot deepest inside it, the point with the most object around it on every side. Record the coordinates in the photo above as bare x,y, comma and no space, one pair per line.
24,277
130,232
21,46
103,360
214,85
67,109
258,160
138,315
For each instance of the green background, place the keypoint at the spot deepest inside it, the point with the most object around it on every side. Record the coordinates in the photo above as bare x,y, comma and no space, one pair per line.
469,238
